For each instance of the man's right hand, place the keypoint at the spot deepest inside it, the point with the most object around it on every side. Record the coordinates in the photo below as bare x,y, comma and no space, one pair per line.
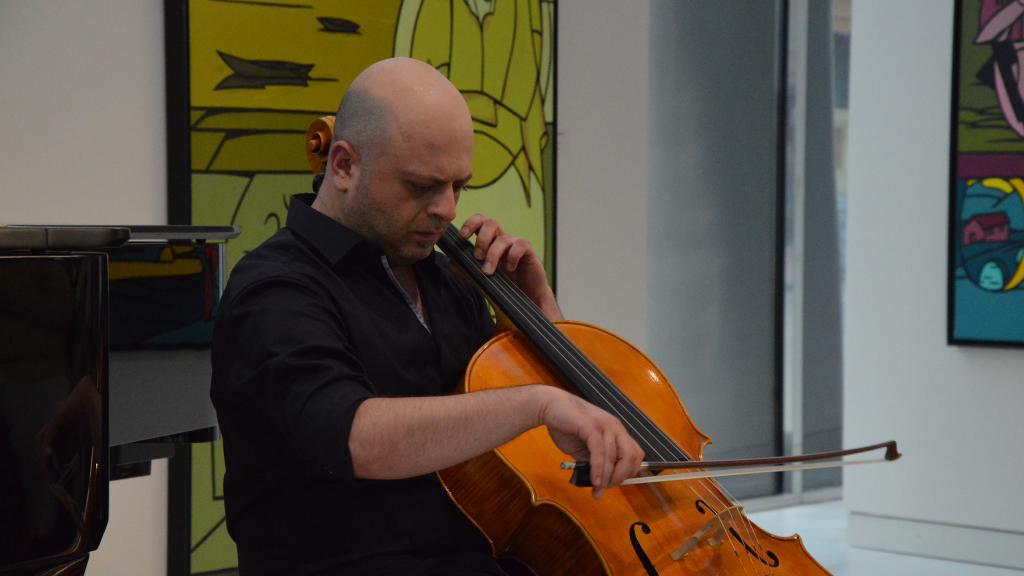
588,433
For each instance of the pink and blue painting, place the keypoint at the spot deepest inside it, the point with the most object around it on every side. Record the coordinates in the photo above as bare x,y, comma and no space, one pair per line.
986,244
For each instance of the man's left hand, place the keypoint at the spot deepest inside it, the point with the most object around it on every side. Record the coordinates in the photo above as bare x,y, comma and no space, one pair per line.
515,257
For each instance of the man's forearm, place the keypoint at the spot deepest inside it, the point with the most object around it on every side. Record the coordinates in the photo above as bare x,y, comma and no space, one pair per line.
403,437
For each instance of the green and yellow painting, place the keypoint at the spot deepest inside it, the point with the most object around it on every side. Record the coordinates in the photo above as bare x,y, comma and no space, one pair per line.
261,72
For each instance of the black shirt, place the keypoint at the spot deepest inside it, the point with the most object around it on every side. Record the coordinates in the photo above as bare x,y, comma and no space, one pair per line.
311,325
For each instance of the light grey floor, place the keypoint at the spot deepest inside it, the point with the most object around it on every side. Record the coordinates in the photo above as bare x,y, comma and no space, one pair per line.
823,529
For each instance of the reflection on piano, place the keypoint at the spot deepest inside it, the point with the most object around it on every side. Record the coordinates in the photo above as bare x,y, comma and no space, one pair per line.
76,404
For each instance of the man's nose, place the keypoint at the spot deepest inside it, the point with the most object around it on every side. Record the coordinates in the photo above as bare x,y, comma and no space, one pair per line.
444,204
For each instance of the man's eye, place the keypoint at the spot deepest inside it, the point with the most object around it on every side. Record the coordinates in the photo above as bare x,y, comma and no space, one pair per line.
422,188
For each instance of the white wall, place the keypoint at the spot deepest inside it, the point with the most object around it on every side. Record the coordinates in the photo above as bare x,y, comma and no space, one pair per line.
82,140
955,410
601,235
135,543
82,132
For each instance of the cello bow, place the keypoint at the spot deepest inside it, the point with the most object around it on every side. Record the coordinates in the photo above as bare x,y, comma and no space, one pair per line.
741,467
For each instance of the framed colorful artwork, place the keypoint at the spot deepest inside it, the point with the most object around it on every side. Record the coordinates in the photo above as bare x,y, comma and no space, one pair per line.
986,205
246,77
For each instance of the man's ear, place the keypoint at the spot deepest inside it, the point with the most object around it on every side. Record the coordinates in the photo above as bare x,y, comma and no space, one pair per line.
341,163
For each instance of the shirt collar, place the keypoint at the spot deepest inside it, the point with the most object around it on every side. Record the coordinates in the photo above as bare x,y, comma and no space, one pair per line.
329,237
332,239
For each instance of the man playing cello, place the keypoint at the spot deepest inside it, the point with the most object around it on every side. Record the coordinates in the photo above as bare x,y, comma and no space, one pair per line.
340,339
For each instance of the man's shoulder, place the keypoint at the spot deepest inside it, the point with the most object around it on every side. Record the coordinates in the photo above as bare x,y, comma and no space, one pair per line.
282,258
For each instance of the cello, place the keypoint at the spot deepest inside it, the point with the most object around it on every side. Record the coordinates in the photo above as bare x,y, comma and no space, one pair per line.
529,510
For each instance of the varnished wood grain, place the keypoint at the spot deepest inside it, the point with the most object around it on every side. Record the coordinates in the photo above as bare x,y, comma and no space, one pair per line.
521,500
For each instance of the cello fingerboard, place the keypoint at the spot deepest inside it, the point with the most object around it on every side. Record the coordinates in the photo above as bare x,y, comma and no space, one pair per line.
561,354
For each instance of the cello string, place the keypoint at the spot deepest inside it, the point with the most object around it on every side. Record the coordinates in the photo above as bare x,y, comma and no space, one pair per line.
556,342
670,512
530,314
533,316
536,322
512,294
705,488
508,292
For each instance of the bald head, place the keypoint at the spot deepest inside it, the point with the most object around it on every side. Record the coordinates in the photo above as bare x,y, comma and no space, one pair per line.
389,102
402,153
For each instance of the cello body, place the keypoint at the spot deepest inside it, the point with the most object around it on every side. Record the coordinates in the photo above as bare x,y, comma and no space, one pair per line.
526,507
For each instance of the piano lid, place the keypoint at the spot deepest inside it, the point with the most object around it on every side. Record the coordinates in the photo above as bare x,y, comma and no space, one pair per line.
23,237
58,238
183,232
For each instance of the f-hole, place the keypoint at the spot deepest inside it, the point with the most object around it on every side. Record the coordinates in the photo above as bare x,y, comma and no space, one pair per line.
644,560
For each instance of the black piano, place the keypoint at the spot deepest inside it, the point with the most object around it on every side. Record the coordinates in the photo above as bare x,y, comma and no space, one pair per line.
104,366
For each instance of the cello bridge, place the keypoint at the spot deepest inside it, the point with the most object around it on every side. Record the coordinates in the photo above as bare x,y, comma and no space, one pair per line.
708,538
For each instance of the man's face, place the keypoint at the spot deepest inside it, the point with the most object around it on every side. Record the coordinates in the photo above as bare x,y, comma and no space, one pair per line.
405,191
